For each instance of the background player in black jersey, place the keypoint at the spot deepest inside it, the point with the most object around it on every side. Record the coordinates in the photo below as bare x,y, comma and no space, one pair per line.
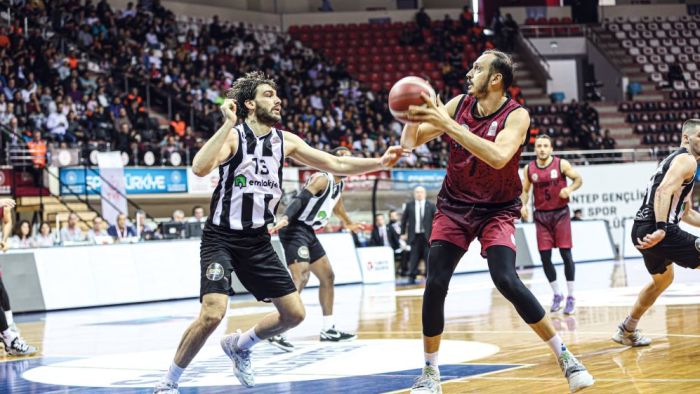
14,344
235,236
310,210
656,232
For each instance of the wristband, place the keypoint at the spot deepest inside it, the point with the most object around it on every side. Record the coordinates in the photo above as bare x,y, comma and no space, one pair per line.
661,225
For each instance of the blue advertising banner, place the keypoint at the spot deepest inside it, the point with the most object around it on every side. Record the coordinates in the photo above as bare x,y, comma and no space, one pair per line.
139,180
408,179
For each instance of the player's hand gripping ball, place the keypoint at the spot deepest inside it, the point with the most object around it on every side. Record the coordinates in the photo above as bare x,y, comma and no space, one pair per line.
406,92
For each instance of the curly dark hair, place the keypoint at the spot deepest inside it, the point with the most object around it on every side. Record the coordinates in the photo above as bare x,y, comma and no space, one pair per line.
244,88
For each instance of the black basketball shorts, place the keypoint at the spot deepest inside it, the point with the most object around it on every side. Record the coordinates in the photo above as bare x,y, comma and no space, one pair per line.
300,243
250,255
678,247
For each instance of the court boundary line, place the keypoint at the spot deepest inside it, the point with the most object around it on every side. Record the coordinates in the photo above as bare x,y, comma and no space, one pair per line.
597,333
519,366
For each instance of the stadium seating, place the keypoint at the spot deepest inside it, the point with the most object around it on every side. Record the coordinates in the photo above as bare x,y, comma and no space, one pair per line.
658,43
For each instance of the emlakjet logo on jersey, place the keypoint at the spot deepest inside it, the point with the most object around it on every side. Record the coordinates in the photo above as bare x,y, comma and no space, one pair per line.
240,181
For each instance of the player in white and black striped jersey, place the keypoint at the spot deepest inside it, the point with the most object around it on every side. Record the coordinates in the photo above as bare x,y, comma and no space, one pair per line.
656,232
310,210
249,158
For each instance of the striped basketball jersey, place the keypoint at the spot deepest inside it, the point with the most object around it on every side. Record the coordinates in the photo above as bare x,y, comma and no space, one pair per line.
250,181
646,212
320,208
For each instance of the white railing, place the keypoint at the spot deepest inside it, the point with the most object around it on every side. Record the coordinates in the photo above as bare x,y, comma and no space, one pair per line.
606,156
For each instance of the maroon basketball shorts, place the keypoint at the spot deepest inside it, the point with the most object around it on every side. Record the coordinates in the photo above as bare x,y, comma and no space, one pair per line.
492,225
553,229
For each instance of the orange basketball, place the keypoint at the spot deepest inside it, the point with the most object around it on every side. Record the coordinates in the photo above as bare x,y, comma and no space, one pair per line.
406,92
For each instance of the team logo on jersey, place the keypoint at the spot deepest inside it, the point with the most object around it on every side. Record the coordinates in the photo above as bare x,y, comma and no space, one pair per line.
493,128
535,177
303,252
321,215
215,272
553,174
240,181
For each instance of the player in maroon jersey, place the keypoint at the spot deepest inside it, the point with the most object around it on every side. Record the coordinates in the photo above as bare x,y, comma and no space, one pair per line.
552,217
480,198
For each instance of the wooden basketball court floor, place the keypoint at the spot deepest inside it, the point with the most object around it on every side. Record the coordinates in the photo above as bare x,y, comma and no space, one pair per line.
487,348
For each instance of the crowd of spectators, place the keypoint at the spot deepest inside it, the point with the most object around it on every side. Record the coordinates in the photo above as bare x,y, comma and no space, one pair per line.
79,76
571,126
100,232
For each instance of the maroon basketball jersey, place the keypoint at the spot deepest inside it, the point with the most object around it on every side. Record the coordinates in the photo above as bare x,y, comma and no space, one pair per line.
547,182
470,180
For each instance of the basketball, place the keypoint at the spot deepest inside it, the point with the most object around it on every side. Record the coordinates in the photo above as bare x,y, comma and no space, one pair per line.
406,92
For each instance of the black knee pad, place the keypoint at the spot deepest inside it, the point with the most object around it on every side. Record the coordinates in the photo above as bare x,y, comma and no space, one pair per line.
501,260
569,268
4,298
549,270
442,261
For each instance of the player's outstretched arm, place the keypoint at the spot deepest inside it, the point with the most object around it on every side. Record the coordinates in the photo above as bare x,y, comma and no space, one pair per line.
300,151
221,145
6,225
417,134
339,210
497,153
7,203
525,195
690,216
568,170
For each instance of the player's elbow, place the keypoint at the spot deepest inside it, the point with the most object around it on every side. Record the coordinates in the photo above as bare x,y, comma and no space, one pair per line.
407,144
499,163
199,169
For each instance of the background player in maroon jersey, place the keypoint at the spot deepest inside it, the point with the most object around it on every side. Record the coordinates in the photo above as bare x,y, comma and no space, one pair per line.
548,175
480,197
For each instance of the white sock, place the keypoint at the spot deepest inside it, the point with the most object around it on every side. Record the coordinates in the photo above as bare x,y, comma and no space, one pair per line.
555,287
247,339
556,344
174,373
431,359
630,323
9,336
328,322
8,316
570,287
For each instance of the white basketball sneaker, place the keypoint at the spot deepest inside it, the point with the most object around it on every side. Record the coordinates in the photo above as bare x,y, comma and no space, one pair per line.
19,347
575,372
166,388
630,338
242,367
428,382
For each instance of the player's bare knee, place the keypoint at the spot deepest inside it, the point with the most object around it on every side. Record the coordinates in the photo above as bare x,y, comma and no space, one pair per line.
327,278
663,281
211,318
213,311
292,317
